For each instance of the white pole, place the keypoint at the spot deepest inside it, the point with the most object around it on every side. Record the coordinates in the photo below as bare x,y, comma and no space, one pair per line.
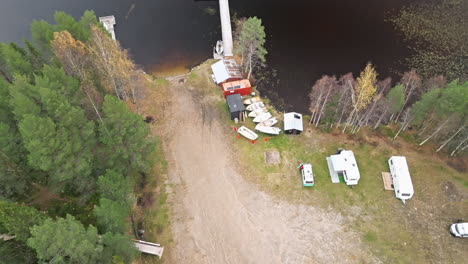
226,27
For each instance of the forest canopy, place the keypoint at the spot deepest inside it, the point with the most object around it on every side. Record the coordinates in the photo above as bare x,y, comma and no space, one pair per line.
66,131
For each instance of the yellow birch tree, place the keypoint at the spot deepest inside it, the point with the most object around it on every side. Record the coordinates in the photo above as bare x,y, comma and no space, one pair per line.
113,63
365,87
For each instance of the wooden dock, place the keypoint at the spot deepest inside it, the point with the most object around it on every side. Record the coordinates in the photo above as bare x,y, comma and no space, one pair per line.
149,248
387,181
108,22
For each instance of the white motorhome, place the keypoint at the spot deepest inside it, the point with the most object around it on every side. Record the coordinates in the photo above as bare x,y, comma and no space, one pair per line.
344,165
401,178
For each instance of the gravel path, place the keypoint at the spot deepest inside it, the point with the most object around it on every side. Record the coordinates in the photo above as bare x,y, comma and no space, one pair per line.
218,217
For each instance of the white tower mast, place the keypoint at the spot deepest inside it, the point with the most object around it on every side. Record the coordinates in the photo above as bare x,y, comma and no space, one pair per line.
226,27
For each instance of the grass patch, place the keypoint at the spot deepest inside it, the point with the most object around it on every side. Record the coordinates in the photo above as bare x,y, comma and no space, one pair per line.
386,131
157,216
370,236
155,213
160,82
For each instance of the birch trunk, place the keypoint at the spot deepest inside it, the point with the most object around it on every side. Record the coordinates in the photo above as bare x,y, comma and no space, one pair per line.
402,128
435,132
317,105
377,124
323,106
459,145
448,140
406,101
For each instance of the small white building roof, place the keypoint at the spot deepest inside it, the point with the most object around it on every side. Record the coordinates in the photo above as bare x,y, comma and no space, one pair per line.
346,162
400,167
224,70
293,120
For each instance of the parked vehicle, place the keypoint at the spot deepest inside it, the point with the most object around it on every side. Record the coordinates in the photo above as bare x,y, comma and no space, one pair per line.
459,229
307,174
401,178
343,164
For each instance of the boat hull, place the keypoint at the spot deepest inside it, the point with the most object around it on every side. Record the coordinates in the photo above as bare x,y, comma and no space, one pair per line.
252,100
262,117
255,106
247,133
257,112
268,130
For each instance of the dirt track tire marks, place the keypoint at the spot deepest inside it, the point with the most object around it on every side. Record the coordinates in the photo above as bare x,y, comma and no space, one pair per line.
218,217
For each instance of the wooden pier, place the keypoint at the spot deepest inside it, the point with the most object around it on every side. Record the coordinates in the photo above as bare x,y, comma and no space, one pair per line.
108,22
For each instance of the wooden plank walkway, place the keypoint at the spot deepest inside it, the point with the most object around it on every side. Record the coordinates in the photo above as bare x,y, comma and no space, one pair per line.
149,248
333,174
387,181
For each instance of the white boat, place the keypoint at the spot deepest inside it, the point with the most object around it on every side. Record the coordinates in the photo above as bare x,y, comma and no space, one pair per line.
258,112
252,100
219,47
247,133
268,130
255,106
262,117
270,122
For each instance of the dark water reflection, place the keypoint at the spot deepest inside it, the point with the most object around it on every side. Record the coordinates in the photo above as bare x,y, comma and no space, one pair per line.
305,38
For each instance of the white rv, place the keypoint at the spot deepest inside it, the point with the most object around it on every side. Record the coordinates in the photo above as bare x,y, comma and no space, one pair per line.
401,178
344,165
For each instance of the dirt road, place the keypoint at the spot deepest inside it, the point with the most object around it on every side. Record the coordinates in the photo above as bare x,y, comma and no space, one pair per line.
221,218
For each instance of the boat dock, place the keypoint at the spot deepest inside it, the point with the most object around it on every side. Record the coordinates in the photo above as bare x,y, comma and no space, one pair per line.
108,22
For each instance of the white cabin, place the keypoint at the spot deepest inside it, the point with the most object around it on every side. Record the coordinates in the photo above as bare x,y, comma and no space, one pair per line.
344,164
401,178
293,123
225,71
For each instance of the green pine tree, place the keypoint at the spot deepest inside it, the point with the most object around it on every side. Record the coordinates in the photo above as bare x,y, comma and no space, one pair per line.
65,241
118,248
16,60
126,144
16,220
114,186
111,216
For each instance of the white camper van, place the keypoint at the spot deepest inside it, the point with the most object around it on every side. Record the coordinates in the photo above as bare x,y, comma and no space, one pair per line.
459,229
401,178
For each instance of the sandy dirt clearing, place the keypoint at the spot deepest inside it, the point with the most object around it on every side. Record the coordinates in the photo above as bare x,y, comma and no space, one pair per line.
218,217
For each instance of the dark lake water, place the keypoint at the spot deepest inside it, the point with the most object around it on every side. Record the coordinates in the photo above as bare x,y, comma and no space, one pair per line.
305,38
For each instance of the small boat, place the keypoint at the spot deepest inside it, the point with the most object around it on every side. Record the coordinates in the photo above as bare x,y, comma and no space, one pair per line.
247,133
262,117
219,47
255,106
270,122
252,100
258,112
268,130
